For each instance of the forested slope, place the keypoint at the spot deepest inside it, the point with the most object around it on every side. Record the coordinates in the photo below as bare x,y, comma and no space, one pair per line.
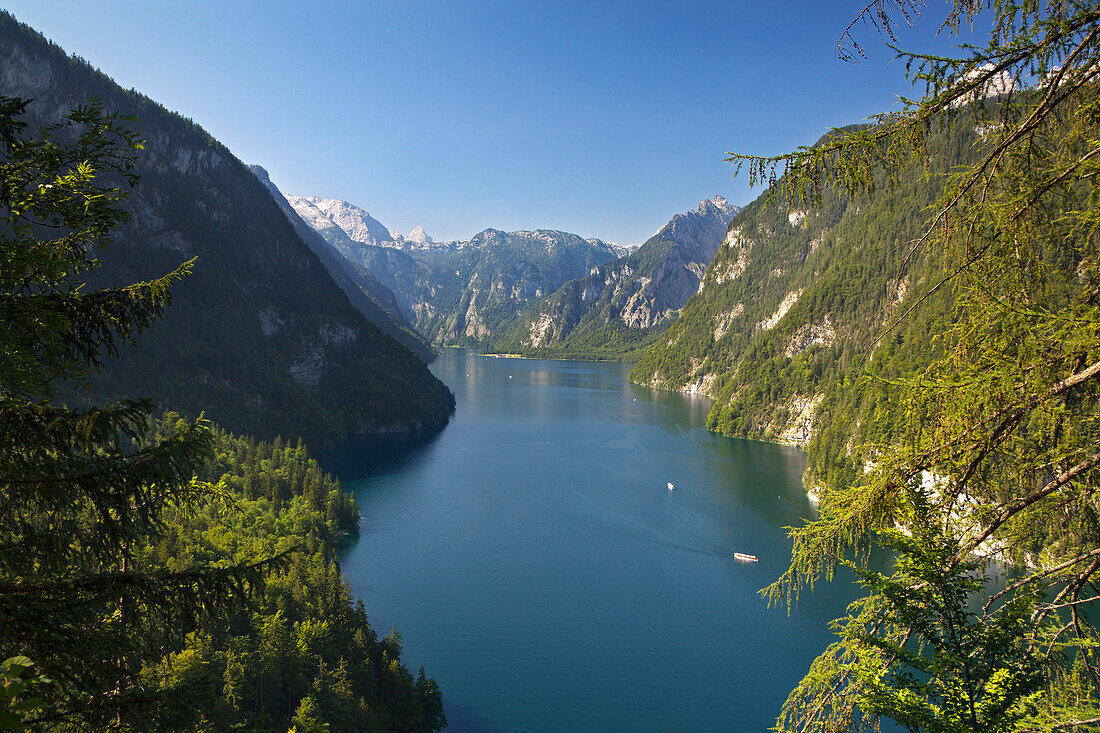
305,653
791,307
260,337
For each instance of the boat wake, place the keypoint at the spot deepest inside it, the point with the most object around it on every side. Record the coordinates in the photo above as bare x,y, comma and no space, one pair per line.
645,533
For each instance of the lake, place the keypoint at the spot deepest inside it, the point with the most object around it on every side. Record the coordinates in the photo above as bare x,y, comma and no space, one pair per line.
535,562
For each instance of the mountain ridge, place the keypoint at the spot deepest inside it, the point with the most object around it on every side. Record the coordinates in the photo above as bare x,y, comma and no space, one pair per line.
366,292
442,285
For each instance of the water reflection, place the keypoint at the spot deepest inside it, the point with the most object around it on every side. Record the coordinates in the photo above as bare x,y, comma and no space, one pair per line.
367,456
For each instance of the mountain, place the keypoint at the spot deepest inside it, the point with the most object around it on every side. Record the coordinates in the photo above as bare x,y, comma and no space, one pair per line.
622,305
790,313
259,337
468,292
345,226
419,236
622,250
465,292
366,292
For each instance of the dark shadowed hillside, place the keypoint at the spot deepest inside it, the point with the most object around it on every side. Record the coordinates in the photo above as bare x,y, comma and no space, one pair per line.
366,292
259,336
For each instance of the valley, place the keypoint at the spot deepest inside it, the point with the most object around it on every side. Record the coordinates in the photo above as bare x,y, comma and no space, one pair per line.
824,459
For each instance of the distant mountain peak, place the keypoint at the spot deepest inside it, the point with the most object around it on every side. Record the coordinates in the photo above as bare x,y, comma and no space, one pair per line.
718,203
352,220
419,236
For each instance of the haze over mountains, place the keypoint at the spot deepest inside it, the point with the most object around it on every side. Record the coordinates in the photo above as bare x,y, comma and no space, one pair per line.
523,290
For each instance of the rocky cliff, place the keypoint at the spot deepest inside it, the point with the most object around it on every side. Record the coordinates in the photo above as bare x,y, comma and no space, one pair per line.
468,293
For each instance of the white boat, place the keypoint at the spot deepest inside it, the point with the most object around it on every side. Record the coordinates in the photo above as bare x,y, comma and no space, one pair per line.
745,557
670,486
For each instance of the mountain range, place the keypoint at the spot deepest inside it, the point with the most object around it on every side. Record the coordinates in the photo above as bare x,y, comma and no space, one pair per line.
620,306
541,291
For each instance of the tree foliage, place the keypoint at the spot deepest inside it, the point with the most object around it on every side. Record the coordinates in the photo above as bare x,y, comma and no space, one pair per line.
154,575
303,655
80,488
994,445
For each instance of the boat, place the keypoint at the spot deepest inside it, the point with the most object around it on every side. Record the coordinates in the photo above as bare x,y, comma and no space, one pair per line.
745,557
670,486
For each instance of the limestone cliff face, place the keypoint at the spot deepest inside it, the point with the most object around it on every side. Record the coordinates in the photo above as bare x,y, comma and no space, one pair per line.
789,310
750,304
634,294
471,292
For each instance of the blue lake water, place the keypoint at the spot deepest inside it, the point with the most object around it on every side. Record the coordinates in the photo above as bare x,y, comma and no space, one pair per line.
536,564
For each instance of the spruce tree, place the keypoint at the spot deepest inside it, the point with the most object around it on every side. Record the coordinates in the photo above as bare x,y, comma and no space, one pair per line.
82,488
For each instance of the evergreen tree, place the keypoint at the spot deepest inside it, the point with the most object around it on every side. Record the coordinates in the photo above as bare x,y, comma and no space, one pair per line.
82,490
995,445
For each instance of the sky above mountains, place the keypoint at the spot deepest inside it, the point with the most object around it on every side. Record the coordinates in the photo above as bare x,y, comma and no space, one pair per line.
599,118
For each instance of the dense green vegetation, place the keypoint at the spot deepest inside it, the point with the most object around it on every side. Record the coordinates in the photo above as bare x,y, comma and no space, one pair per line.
302,654
80,491
260,338
985,442
845,261
591,341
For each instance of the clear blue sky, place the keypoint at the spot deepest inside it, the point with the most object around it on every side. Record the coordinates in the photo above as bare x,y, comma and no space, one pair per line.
600,118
